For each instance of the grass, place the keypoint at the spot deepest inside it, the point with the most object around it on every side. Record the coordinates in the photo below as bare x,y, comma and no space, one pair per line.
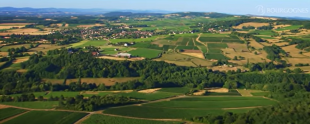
215,56
216,51
217,45
84,43
47,117
34,105
9,112
147,53
187,48
181,90
260,93
5,48
103,119
230,93
292,27
97,81
133,40
149,96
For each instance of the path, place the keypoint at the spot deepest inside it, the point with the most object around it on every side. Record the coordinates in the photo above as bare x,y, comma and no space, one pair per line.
197,39
244,92
83,119
7,119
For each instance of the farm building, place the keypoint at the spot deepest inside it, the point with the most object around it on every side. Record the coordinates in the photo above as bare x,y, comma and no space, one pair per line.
123,55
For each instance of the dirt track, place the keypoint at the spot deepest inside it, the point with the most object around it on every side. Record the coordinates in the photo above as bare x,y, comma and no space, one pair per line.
197,39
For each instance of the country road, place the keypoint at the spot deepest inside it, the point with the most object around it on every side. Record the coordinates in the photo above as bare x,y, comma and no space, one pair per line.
197,39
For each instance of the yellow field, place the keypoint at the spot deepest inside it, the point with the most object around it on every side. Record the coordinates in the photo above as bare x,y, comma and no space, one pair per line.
88,26
298,60
198,55
256,45
123,59
106,81
255,24
26,31
45,47
293,51
261,57
21,59
237,46
183,60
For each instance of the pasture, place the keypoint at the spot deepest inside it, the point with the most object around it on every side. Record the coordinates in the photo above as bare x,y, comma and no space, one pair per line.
25,31
180,90
9,112
34,105
96,43
104,119
106,81
293,51
292,27
46,47
220,39
146,53
134,40
47,117
5,48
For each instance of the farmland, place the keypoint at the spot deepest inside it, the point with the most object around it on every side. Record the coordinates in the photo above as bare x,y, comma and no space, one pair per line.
106,81
34,105
147,53
191,106
96,43
9,112
103,119
149,96
53,117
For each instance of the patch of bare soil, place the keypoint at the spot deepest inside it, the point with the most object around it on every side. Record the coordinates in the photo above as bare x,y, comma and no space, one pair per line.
149,90
219,90
200,93
198,55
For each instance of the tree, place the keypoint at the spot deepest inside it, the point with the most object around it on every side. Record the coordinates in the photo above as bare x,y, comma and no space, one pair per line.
235,58
297,70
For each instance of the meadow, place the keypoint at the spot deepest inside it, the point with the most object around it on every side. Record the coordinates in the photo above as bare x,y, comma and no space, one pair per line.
215,56
34,105
9,112
103,119
47,117
134,40
5,48
146,53
85,43
292,27
181,90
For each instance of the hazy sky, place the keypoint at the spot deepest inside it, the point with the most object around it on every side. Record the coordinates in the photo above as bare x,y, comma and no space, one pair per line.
258,7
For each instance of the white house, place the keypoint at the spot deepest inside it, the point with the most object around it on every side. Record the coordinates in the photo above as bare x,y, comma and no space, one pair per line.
125,44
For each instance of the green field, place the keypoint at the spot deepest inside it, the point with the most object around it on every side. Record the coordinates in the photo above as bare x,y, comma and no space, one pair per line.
292,27
224,38
215,56
47,117
230,93
147,53
133,40
149,96
153,112
34,105
263,32
181,90
9,112
85,43
5,48
187,48
54,94
209,103
217,45
215,51
102,119
260,93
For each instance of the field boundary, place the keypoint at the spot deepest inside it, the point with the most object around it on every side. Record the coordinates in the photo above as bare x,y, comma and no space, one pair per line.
80,121
179,120
197,39
10,118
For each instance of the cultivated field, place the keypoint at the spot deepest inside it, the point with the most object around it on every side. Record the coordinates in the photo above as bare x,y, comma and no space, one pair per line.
183,60
191,106
47,117
104,119
34,105
146,53
254,24
106,81
293,51
46,47
84,43
25,31
9,112
149,96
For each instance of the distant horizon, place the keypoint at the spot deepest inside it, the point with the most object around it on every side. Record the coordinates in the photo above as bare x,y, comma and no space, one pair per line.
238,7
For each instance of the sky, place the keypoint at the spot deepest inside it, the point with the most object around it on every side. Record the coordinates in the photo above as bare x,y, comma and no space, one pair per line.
256,7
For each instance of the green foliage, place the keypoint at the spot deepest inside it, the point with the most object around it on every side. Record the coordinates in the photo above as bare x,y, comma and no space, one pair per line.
274,52
102,119
47,117
9,112
217,45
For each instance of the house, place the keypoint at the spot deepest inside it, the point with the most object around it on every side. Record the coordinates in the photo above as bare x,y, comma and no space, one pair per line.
125,44
116,49
95,53
123,55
